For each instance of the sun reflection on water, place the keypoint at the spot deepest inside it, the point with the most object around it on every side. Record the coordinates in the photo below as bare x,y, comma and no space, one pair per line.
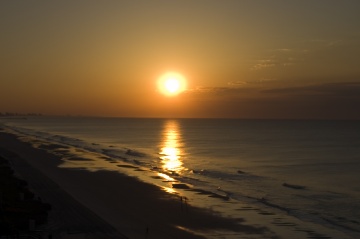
171,147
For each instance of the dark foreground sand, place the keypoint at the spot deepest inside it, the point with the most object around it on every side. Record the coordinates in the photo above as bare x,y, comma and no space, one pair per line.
106,204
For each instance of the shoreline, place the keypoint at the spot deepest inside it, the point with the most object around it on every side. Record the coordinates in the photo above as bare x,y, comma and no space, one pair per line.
67,216
119,204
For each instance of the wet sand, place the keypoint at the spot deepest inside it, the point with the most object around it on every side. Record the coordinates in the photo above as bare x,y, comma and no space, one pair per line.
107,204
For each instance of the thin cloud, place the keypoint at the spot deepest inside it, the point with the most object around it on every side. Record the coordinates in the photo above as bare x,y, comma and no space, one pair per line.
320,101
340,89
223,91
264,63
284,50
238,83
326,43
282,57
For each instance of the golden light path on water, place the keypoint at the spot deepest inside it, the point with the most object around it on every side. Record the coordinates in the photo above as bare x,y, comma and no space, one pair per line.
171,147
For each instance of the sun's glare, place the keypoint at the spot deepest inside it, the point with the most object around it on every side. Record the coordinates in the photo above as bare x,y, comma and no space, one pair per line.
171,84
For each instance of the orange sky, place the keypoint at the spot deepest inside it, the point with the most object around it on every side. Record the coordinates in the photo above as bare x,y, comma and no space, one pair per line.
242,59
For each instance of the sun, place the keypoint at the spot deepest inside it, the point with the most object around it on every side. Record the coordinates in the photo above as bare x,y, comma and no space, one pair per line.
171,83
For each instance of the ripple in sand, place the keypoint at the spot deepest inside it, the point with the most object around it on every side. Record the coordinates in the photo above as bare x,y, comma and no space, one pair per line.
293,186
126,166
180,186
266,213
78,159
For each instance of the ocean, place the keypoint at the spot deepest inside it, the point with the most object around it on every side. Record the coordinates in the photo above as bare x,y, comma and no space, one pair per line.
299,176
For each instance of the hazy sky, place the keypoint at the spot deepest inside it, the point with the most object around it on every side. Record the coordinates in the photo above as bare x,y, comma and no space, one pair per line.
246,59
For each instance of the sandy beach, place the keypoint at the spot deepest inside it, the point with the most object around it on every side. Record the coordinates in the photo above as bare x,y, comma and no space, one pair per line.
106,204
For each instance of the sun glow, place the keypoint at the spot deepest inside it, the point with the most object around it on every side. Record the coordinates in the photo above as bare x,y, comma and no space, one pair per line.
171,84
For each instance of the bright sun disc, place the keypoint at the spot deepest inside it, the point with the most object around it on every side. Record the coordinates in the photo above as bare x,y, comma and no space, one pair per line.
171,83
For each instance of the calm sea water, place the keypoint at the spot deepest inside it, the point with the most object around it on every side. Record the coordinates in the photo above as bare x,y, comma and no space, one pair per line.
308,170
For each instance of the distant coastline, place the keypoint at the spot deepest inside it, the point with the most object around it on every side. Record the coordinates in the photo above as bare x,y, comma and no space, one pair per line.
12,115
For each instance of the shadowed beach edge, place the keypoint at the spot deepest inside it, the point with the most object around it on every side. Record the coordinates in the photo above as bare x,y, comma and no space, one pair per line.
82,199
